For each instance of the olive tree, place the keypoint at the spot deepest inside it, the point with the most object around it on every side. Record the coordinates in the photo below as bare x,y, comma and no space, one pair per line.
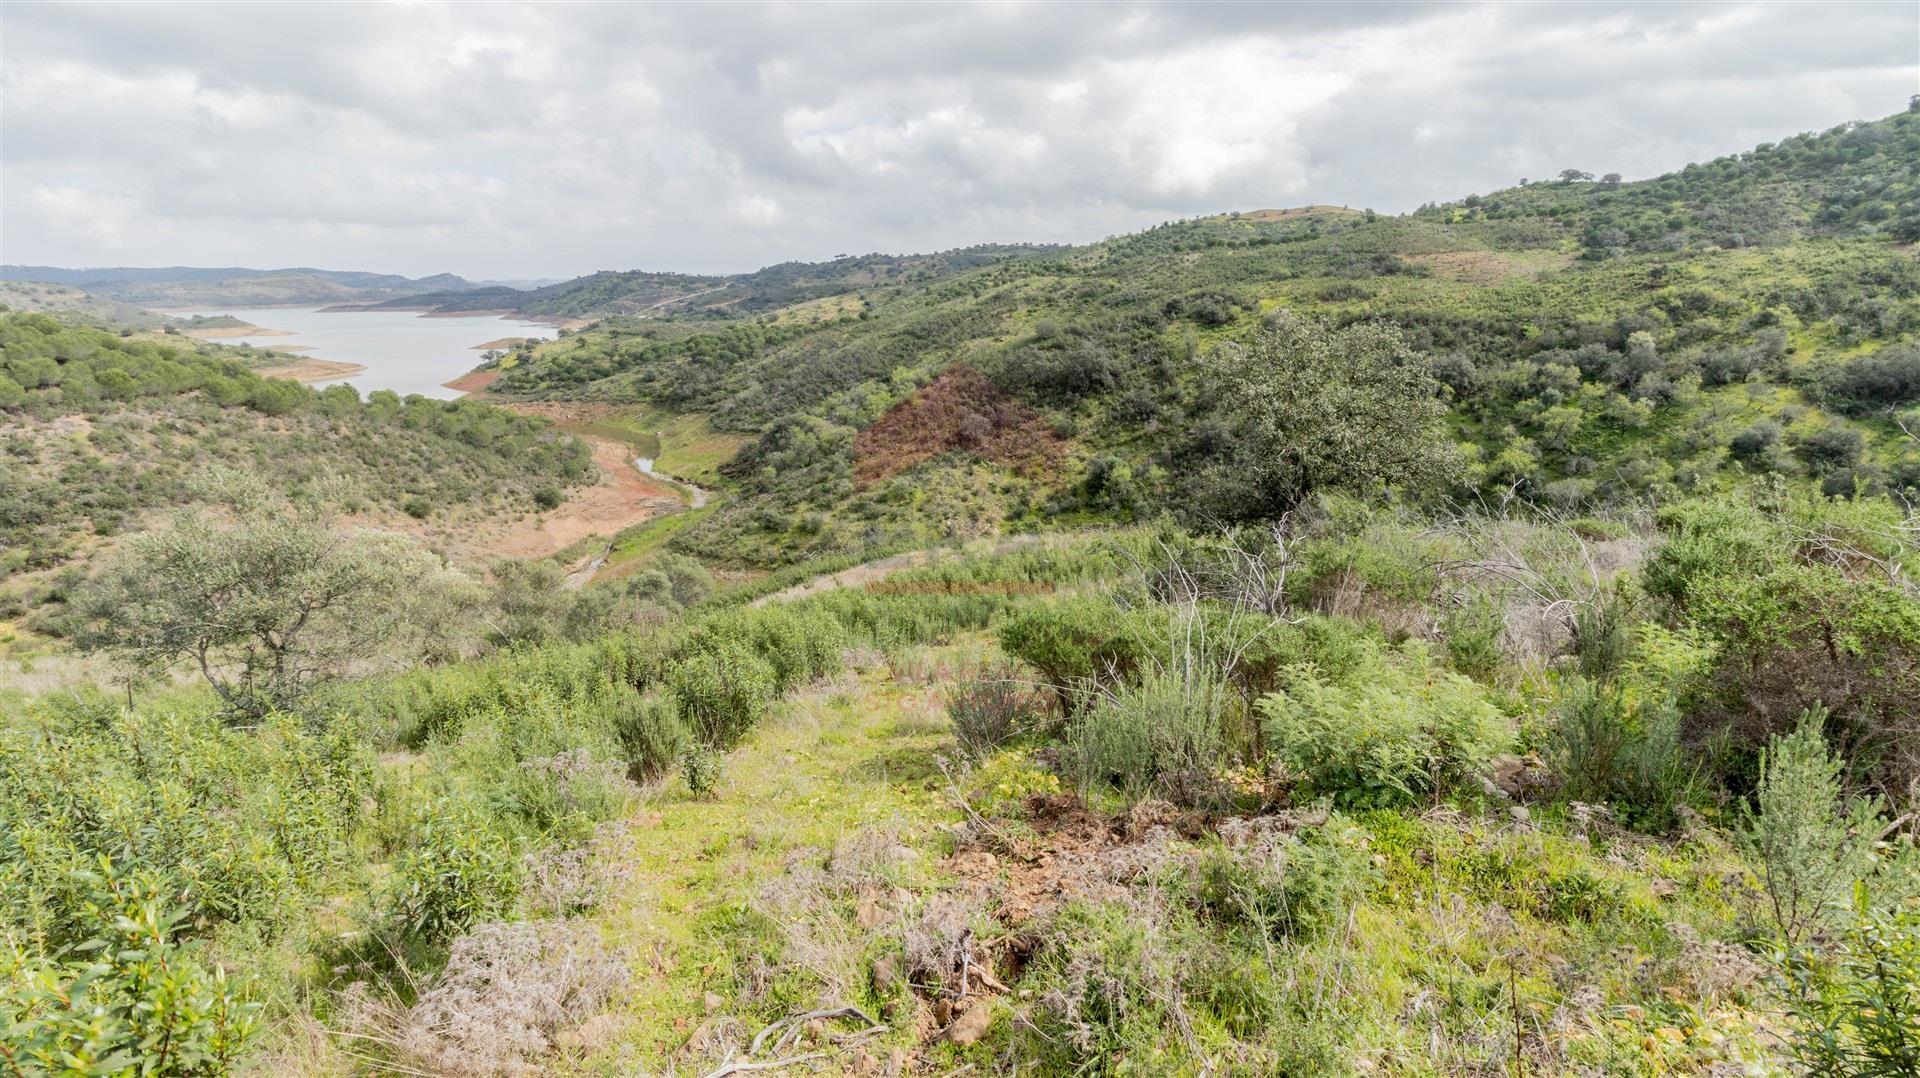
267,599
1313,407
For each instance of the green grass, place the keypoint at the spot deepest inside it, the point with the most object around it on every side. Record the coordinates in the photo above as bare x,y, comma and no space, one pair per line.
833,761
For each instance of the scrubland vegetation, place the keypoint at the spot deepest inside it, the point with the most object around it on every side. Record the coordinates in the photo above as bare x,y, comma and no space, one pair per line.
1474,642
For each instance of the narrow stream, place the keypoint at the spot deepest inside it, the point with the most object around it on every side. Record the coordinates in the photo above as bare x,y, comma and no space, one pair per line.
697,497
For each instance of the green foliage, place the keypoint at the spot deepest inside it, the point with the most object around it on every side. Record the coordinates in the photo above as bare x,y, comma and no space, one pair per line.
652,735
130,999
460,870
1319,407
1606,749
1395,731
722,691
1857,1012
1167,736
241,822
1286,886
1472,629
1074,644
1811,848
702,767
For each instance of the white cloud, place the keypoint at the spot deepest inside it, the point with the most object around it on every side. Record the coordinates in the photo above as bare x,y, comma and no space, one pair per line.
544,140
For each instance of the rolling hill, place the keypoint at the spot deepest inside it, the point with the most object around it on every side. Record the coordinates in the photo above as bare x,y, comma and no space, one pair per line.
1600,342
191,286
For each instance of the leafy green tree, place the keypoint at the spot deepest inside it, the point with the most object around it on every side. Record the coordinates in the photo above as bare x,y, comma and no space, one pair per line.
1318,407
267,601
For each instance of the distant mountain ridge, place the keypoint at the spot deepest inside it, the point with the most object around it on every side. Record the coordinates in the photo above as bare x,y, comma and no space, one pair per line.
612,292
237,285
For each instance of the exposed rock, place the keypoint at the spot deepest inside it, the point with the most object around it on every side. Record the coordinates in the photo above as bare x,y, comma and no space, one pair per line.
972,1024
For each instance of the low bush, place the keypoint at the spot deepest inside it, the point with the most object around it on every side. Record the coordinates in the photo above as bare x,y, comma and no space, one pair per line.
130,999
1284,885
1167,736
651,733
723,691
990,709
1807,635
1857,1011
1472,629
1605,748
1396,731
459,871
1075,644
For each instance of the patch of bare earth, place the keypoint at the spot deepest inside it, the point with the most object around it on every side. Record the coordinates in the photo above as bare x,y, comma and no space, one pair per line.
1290,214
1482,267
313,370
620,498
958,411
474,383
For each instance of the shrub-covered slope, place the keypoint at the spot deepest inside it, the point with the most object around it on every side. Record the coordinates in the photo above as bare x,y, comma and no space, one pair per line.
96,430
1764,322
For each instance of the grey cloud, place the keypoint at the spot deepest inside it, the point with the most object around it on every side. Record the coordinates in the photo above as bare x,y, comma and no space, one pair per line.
542,140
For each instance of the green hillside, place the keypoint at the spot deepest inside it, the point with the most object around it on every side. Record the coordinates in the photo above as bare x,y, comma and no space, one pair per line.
102,432
1288,642
1600,342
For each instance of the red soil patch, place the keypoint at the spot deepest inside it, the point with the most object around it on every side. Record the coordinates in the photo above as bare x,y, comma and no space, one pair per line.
473,383
958,411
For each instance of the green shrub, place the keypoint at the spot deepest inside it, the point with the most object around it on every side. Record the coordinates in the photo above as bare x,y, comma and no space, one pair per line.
798,645
652,735
130,999
562,796
722,692
989,709
1075,644
1167,736
1606,749
1810,847
459,871
702,767
1396,731
241,821
1472,629
417,506
1285,885
1857,1012
1603,632
1709,541
1807,635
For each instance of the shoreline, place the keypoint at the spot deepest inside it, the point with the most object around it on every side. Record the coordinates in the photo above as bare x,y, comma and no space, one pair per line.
472,383
313,370
222,332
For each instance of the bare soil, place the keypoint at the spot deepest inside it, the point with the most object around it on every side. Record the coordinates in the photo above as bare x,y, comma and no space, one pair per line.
473,383
314,370
621,498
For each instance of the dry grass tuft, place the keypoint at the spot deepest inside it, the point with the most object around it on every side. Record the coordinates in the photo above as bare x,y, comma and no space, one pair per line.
506,991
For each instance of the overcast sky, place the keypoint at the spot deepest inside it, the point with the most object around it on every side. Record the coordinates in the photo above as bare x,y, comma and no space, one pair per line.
504,141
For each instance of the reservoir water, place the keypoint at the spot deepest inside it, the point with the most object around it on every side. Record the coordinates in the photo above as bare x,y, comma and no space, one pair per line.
401,350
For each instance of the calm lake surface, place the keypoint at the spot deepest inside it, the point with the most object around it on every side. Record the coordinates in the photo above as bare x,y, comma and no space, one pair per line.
401,350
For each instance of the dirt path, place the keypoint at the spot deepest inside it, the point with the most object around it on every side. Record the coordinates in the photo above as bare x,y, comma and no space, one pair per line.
622,497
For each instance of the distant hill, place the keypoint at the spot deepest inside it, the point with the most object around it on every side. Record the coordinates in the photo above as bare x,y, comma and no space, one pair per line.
182,286
611,292
76,305
1601,341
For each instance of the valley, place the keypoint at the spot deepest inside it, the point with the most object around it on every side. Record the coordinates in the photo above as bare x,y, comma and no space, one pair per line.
1479,640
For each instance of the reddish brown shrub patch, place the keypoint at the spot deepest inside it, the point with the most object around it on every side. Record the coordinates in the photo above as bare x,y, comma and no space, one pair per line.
959,410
